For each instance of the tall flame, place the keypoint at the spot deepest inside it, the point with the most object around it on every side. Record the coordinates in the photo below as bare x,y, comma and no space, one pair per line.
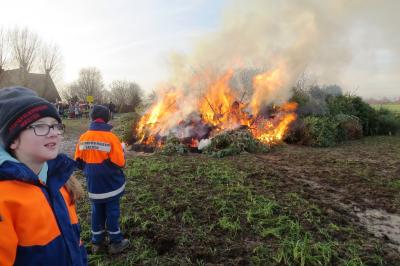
156,119
264,84
221,108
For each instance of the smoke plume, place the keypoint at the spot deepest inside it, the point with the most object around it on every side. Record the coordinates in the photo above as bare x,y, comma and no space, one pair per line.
338,42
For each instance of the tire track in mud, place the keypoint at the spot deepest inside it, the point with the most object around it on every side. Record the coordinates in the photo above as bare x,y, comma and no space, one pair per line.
377,221
351,200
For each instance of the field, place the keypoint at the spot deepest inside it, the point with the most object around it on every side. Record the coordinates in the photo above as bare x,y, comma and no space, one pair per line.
295,205
390,106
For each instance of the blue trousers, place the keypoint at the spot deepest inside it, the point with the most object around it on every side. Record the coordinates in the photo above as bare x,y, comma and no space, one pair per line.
106,215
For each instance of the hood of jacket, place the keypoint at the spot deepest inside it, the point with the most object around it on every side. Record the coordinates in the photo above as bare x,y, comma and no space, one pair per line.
100,126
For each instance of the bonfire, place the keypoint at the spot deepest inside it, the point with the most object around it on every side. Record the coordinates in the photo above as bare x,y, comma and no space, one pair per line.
218,110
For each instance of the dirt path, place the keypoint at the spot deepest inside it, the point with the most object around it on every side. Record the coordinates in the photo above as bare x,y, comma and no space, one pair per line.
69,142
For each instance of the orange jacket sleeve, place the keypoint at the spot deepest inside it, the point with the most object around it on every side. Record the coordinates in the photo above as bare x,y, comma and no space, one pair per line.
117,155
8,238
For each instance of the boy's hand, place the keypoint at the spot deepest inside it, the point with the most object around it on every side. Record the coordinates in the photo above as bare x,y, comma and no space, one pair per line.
123,144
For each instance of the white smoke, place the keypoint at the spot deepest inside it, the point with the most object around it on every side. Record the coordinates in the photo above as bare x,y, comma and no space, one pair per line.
330,39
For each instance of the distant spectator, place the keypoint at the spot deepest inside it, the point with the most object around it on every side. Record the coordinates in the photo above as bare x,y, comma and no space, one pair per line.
60,108
71,110
111,106
77,110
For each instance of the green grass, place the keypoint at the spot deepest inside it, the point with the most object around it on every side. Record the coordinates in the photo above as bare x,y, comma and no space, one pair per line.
198,210
75,127
253,209
395,107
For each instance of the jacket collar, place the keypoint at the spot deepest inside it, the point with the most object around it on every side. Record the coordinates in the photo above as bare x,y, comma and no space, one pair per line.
99,126
58,170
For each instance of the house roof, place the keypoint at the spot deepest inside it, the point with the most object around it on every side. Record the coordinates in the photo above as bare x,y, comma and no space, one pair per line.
41,83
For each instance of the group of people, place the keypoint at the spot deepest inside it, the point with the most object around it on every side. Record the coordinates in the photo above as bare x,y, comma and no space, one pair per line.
73,110
79,109
38,192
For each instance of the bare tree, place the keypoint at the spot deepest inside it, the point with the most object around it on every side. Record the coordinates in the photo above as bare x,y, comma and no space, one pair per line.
4,46
50,59
134,96
118,92
25,45
126,95
89,83
69,92
106,96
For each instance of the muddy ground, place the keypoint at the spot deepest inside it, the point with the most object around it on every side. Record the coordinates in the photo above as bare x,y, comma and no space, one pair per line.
354,184
359,178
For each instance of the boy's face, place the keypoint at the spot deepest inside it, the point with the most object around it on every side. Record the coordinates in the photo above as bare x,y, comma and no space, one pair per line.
30,148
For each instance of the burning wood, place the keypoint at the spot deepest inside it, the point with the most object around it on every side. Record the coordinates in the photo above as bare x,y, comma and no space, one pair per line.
218,110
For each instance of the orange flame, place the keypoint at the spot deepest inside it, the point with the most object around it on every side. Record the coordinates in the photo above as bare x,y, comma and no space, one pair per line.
264,84
273,134
221,108
156,119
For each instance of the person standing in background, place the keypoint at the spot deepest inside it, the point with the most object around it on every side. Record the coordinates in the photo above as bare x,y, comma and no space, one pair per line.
100,155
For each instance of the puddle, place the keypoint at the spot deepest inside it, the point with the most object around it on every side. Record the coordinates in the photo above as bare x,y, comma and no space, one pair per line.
382,224
378,222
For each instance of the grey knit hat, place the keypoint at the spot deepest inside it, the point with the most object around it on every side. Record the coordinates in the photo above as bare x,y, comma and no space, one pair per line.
100,111
20,107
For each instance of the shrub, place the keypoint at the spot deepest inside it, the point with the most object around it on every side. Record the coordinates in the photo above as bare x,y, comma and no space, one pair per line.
388,122
173,146
320,131
126,128
317,93
299,96
311,102
349,127
296,132
333,90
234,142
354,106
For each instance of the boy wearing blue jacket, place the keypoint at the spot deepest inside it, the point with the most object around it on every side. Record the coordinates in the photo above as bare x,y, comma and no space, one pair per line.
38,220
100,155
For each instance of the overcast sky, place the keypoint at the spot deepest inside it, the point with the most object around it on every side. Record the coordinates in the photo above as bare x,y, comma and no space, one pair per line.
132,40
125,39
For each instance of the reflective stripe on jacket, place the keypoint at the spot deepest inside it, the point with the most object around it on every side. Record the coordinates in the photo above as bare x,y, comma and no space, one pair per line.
100,155
39,224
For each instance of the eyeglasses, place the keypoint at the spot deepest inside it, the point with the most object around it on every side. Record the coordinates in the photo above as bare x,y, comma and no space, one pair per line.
44,129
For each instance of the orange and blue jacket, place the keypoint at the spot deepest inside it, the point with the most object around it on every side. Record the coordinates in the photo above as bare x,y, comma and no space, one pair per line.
38,221
100,155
